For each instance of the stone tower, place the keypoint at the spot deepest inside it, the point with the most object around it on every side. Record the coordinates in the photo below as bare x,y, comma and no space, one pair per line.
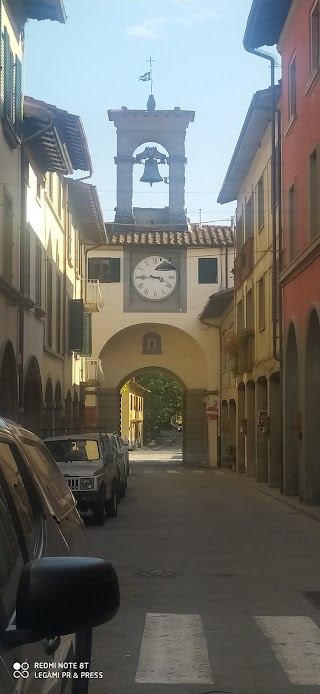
168,129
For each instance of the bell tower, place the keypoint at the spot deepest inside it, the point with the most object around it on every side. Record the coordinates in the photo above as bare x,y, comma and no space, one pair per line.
166,128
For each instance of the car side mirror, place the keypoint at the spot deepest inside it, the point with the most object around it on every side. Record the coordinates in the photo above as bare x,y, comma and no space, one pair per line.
109,458
62,595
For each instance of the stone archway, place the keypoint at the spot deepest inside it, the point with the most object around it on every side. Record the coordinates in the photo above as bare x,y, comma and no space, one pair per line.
8,384
224,433
232,428
312,410
275,454
33,397
292,419
241,464
57,409
182,358
251,429
261,429
48,426
68,410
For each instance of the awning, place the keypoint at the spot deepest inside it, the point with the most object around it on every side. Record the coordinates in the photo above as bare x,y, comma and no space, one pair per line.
265,23
88,210
217,304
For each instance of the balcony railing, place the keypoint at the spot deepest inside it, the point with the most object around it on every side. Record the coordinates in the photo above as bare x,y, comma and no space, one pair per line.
92,372
92,298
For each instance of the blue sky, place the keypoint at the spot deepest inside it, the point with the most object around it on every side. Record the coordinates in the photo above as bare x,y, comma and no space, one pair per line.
93,62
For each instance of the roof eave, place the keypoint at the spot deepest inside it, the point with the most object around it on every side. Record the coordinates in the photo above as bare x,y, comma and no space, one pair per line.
265,23
217,304
81,189
54,11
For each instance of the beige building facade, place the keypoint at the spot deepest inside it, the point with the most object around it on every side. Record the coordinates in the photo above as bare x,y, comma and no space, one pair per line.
249,325
132,413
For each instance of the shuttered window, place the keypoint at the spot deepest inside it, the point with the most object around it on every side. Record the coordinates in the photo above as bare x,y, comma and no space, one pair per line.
38,296
18,97
8,77
76,315
27,262
7,237
207,270
58,315
105,270
87,335
49,305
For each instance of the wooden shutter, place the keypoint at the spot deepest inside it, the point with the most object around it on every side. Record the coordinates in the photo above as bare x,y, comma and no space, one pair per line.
38,275
27,262
87,335
7,237
76,325
18,97
207,270
8,77
58,315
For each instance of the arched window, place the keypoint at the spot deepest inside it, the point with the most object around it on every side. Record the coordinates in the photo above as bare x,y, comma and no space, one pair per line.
151,344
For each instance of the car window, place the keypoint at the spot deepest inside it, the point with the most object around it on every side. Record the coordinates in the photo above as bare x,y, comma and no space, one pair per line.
9,456
78,449
108,445
11,560
50,478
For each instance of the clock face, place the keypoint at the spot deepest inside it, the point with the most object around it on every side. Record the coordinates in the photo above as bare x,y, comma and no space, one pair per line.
153,284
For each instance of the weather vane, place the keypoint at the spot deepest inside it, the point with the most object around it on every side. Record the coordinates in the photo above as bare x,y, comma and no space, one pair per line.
148,77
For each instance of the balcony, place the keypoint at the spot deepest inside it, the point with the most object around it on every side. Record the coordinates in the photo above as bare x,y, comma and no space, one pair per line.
92,372
92,298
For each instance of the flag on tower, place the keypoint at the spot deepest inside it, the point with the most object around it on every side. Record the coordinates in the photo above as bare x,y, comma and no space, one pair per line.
146,77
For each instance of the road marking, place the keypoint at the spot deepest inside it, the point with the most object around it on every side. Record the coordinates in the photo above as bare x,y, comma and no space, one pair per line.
173,651
296,643
173,472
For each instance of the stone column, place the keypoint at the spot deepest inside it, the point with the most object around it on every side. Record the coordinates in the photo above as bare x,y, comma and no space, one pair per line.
195,429
124,189
275,438
177,164
109,409
251,429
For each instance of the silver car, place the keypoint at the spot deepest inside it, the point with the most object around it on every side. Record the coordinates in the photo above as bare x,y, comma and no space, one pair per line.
41,585
88,464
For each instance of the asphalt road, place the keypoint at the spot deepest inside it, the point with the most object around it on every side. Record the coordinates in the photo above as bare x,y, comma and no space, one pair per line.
212,576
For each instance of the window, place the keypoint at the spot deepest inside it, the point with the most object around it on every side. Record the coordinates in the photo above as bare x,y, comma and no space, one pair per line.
292,89
207,270
260,203
49,305
12,86
315,36
27,262
262,303
224,355
249,311
59,198
151,343
249,218
239,233
314,193
38,296
7,237
104,269
58,315
239,316
50,185
11,555
49,477
292,222
69,233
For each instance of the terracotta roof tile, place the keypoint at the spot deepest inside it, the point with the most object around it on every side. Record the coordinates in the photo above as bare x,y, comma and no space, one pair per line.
207,235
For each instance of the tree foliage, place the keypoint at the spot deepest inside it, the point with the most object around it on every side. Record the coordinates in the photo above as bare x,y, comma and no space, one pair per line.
161,404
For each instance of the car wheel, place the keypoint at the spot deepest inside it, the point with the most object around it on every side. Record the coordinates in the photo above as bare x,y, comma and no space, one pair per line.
99,509
112,504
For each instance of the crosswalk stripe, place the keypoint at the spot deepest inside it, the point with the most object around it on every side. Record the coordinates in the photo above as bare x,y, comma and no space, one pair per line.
173,651
296,643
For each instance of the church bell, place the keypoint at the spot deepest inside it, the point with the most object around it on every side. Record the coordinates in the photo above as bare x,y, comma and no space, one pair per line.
151,173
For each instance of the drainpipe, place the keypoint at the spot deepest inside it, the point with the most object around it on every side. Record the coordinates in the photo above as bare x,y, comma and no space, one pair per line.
23,221
268,56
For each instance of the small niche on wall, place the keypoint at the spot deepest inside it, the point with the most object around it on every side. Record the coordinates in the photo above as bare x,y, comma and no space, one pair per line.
151,344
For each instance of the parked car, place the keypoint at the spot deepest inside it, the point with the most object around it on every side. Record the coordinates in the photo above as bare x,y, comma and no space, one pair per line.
41,584
125,448
120,457
89,465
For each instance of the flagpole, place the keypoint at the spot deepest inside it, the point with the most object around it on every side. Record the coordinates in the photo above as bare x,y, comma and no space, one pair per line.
151,77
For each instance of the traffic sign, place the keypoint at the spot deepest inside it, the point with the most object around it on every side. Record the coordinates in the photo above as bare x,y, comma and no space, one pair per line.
212,412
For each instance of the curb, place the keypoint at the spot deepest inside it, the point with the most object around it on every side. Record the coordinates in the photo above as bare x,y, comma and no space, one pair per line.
315,515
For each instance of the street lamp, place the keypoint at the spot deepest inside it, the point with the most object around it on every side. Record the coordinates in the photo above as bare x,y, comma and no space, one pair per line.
165,265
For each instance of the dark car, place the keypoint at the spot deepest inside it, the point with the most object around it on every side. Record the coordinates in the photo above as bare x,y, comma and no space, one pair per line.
47,606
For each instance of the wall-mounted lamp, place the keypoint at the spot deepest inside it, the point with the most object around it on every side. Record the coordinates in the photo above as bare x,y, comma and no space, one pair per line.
165,265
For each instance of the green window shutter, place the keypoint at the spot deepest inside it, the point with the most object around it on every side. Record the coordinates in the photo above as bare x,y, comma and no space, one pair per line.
18,97
76,325
207,270
87,335
8,77
27,262
114,269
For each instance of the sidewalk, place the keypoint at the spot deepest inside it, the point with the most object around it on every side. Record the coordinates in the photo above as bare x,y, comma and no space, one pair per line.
292,501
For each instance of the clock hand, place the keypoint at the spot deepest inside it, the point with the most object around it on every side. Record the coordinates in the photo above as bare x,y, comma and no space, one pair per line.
157,278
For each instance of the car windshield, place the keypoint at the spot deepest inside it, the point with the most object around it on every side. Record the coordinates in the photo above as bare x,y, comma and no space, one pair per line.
64,450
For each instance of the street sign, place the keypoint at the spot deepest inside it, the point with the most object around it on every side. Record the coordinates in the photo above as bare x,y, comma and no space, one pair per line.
212,412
